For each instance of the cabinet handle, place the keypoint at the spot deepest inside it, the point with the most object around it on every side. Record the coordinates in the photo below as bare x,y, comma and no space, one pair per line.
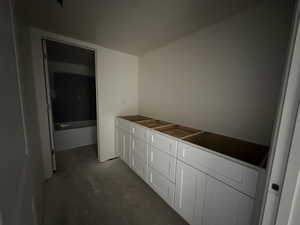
133,130
150,177
151,156
152,138
183,152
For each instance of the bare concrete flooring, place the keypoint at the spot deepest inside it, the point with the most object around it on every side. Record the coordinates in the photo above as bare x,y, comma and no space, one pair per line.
86,192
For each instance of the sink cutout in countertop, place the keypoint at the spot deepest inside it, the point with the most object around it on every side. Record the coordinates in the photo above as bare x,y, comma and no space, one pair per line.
252,153
154,123
135,118
179,131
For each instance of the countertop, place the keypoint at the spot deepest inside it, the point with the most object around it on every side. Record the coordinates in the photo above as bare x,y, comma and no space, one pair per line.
242,150
245,151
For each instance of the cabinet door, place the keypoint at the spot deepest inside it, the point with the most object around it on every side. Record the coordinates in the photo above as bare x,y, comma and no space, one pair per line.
124,145
189,195
118,142
139,149
164,143
140,132
127,148
140,167
162,186
163,163
224,205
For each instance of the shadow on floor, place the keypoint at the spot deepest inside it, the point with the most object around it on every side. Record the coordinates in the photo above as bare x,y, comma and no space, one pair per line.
86,192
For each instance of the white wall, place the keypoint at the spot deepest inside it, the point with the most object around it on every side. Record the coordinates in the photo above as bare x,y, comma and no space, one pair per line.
224,78
116,81
72,138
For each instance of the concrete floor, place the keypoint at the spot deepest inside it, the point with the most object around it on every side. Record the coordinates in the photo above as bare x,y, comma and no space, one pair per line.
86,192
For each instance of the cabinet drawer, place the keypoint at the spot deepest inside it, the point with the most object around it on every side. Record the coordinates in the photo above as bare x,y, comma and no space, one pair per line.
140,167
240,177
139,132
162,186
163,143
163,163
123,124
139,149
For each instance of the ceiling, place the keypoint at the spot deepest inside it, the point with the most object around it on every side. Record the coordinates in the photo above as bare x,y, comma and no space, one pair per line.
131,26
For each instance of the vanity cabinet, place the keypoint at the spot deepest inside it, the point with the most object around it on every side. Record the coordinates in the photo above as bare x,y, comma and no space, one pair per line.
123,140
225,205
203,187
139,159
163,187
163,163
125,147
190,193
203,200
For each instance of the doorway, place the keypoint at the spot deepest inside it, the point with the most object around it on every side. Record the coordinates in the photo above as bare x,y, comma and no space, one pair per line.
70,83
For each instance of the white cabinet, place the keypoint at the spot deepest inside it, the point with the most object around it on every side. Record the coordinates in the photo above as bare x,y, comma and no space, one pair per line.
190,193
139,132
203,187
242,178
125,125
224,205
162,186
163,143
124,146
127,148
140,167
139,149
163,163
203,200
118,142
139,157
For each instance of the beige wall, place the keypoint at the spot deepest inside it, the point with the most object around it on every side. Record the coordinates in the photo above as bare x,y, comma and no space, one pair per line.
117,85
224,78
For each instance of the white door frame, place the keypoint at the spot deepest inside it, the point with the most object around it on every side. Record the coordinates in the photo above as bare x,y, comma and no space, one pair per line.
288,212
284,128
38,69
49,103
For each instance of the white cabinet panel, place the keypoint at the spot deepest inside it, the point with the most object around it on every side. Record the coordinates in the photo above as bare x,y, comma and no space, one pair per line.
240,177
140,167
125,125
162,186
190,193
118,142
163,143
125,140
139,132
139,149
224,205
162,162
